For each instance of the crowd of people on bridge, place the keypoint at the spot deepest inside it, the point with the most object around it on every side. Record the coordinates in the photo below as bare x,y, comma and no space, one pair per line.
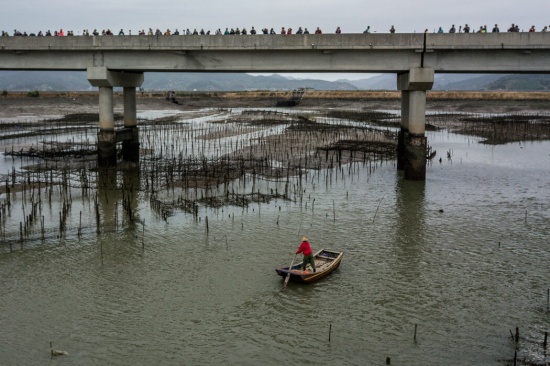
168,32
484,29
243,31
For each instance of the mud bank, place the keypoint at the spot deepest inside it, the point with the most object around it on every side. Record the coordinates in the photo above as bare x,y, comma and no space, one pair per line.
61,103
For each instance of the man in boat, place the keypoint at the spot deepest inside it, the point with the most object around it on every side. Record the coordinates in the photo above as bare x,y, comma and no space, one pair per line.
305,248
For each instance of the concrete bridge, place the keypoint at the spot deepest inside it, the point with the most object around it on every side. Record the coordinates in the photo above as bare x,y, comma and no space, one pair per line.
121,61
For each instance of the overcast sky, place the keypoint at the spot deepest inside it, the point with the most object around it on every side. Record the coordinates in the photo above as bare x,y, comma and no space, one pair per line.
353,16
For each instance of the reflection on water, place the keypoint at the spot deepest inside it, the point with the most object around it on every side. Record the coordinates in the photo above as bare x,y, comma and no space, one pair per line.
463,256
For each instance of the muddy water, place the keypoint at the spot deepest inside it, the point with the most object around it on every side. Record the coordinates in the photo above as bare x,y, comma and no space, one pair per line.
463,257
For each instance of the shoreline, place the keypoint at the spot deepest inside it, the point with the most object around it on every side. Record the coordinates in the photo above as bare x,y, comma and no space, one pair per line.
18,105
310,94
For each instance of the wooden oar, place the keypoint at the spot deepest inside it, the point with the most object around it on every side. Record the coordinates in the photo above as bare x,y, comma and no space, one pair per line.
288,274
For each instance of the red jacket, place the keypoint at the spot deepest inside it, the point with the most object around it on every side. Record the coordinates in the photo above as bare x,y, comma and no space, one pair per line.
305,248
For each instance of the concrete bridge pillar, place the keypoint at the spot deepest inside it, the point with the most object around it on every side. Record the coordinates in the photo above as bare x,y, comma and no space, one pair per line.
107,136
412,142
130,147
404,128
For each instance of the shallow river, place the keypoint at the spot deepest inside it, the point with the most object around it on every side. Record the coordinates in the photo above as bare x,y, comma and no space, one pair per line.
463,257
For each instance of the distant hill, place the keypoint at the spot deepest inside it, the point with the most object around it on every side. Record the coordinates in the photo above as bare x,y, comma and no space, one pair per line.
464,81
448,82
379,82
234,81
514,82
44,81
521,82
76,81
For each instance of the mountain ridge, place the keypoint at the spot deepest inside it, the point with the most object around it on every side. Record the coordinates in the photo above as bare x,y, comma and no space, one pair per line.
76,81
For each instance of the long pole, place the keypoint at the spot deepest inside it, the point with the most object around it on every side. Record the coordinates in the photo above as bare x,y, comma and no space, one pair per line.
288,274
293,259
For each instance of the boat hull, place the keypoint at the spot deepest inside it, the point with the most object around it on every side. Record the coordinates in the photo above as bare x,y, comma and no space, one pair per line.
326,261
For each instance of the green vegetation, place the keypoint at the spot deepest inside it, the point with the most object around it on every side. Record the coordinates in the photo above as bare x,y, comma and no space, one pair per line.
33,94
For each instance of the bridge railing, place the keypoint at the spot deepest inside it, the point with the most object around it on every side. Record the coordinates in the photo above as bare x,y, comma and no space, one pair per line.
488,41
400,41
397,41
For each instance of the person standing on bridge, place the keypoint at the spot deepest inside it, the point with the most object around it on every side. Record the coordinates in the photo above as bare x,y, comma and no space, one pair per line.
495,29
392,29
305,248
453,29
466,29
338,31
318,31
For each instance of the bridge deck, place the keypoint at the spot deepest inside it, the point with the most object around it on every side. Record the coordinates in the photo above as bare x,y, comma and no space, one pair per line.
459,52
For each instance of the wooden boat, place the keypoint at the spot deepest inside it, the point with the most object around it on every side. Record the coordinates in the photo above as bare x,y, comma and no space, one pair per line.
326,261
